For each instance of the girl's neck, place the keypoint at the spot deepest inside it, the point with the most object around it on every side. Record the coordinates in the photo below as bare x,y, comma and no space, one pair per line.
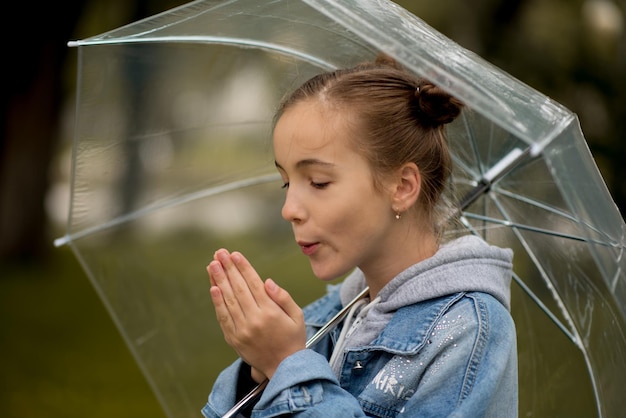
399,258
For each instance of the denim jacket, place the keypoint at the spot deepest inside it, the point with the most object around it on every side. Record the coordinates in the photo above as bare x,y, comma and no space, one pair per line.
449,355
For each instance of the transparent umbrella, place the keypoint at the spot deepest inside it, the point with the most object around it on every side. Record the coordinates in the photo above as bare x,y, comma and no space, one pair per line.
172,160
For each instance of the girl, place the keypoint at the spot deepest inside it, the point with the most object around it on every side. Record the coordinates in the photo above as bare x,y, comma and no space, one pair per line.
364,160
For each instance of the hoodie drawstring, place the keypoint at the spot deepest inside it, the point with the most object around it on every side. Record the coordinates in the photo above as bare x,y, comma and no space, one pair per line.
348,329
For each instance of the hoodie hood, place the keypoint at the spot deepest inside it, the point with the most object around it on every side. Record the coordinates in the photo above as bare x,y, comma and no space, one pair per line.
466,264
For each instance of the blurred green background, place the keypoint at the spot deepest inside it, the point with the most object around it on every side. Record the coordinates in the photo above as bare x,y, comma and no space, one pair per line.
60,353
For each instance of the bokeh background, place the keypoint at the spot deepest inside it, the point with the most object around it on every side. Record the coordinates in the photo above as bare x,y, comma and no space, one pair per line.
60,354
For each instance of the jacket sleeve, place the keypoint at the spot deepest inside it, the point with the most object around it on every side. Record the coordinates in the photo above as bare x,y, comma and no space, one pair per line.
303,385
224,393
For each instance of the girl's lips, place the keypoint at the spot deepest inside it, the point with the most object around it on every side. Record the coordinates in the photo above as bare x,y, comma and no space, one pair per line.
308,248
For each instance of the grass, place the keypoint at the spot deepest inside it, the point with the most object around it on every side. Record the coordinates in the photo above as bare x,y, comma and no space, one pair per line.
61,355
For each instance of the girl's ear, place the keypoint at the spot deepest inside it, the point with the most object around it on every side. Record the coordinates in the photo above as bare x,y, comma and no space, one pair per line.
407,187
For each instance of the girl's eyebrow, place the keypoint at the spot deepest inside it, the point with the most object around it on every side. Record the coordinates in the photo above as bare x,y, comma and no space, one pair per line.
307,162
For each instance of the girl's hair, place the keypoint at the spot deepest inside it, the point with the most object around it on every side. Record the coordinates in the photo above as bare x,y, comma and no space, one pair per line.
398,118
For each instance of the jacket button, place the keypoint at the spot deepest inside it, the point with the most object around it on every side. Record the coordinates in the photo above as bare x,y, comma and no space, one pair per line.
358,365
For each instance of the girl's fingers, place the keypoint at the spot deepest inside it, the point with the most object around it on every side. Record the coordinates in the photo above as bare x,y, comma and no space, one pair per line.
283,299
221,311
250,275
227,296
246,285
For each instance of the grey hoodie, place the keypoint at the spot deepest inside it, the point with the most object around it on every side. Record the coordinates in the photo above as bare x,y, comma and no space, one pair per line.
464,264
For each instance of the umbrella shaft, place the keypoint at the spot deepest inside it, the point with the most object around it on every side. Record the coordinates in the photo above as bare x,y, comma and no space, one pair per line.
480,189
510,161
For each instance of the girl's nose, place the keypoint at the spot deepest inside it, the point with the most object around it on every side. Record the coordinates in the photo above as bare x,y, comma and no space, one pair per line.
292,210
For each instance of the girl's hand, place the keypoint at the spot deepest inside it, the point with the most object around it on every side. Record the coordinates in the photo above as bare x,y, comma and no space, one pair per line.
259,320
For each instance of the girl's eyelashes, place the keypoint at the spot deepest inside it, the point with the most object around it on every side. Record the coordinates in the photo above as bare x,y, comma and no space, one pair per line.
315,185
320,185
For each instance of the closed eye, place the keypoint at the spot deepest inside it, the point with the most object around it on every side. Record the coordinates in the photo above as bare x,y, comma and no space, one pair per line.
319,185
285,185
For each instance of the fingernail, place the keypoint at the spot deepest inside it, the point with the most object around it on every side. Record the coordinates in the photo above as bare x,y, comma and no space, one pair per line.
221,254
271,285
215,267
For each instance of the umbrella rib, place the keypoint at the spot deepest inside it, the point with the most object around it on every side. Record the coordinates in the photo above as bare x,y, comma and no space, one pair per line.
516,230
167,203
473,143
530,293
206,39
610,242
489,182
561,213
574,335
618,273
545,309
508,223
535,203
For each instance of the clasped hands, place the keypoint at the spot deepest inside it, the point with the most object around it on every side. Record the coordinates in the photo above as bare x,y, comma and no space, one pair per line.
259,320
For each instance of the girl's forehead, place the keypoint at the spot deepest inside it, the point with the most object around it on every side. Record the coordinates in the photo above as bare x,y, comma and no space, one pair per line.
312,125
309,132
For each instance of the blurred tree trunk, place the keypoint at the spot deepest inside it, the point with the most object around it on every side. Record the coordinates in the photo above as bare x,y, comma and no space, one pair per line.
31,98
31,101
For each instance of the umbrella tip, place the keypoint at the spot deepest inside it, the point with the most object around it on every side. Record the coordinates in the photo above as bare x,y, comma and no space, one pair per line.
61,241
535,150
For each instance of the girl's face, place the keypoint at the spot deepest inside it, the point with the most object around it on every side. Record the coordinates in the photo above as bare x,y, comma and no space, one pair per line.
339,219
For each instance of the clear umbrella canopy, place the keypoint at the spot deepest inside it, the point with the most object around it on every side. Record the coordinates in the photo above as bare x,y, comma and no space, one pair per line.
172,160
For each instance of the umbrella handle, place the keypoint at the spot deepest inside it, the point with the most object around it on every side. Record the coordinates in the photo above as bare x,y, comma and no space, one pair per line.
256,393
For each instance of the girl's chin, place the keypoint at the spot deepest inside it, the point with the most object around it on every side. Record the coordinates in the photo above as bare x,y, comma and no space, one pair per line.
327,275
324,276
326,279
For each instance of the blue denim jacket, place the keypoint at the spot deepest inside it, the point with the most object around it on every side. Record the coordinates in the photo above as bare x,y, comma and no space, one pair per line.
449,356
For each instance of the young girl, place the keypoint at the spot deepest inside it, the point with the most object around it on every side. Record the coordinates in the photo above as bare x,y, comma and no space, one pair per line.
364,160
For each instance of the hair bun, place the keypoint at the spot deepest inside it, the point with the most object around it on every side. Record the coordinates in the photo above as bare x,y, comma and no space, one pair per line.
435,106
